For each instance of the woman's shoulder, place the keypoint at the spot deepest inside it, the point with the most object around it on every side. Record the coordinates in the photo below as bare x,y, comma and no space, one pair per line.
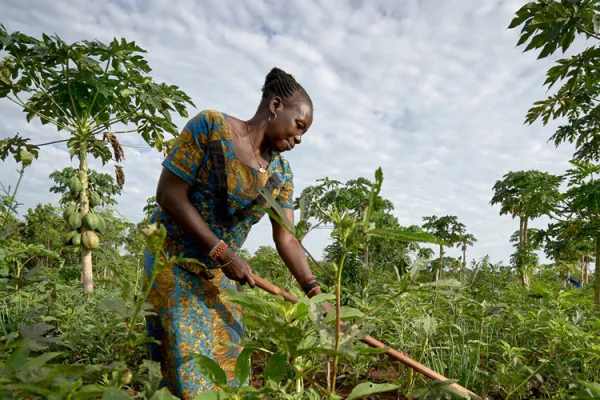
283,167
209,123
209,116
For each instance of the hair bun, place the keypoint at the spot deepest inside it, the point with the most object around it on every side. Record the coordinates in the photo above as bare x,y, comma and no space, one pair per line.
274,75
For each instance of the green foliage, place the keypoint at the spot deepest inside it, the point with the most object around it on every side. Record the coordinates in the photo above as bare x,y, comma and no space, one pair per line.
99,183
16,146
550,26
527,194
487,334
87,87
450,232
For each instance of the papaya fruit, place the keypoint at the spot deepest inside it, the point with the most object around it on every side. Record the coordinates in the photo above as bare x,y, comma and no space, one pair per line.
68,236
101,225
76,239
95,200
75,220
90,221
90,239
75,184
70,209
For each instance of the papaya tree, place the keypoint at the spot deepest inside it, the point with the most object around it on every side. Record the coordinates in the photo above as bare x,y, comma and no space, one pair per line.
583,205
449,230
93,91
101,192
464,241
394,255
526,195
548,26
352,197
567,243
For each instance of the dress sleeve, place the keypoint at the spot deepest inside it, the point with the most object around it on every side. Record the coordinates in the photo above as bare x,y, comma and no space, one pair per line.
285,198
185,157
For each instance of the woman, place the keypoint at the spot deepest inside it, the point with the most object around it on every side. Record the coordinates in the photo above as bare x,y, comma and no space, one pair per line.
206,194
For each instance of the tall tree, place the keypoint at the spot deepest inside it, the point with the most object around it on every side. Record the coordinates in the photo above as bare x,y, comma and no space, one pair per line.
550,25
568,243
526,195
352,196
86,88
583,204
102,191
393,255
448,229
464,242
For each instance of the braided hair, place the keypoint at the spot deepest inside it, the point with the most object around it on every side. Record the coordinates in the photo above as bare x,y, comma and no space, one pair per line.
281,84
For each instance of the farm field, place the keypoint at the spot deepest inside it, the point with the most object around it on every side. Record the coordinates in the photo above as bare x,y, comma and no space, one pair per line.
72,292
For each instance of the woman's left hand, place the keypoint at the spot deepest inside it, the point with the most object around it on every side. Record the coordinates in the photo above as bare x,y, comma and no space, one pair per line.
327,307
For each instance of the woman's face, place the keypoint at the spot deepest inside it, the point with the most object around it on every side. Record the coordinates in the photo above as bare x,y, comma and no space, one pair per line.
292,121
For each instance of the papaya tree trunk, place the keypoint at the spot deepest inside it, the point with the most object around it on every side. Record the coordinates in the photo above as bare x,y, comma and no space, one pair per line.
86,254
587,271
438,271
520,259
597,283
463,270
366,254
582,267
525,280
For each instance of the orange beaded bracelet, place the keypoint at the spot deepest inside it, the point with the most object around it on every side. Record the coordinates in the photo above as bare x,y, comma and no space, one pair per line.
218,249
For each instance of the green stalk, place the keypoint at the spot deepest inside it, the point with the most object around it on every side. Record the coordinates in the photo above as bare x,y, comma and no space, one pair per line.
338,301
13,196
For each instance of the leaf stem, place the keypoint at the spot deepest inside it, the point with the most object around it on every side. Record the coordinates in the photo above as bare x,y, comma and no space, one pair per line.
22,104
584,29
67,78
89,110
338,301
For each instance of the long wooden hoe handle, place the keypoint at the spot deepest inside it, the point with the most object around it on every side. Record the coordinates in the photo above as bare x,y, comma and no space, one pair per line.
371,341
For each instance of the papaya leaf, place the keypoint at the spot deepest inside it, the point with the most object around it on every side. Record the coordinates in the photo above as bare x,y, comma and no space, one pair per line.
112,393
211,395
210,369
322,297
276,367
163,394
404,235
365,389
346,313
242,365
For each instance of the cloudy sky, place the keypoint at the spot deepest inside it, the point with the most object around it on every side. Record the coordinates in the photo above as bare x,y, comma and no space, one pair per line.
434,92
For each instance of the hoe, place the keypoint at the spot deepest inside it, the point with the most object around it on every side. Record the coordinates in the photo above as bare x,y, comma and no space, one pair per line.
371,341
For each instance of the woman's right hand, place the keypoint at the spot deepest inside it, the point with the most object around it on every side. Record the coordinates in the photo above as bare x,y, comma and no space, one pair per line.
238,270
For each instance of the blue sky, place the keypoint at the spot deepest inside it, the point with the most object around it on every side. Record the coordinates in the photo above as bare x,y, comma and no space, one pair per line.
433,92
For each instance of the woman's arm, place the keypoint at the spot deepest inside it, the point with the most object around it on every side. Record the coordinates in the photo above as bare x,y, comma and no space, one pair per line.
172,197
291,252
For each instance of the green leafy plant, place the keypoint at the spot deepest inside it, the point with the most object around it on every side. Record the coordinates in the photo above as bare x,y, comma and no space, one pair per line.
86,89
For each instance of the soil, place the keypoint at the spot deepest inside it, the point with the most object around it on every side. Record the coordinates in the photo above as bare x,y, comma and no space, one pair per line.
343,388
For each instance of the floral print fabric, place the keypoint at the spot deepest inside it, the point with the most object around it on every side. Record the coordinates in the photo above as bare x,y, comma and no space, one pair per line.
192,311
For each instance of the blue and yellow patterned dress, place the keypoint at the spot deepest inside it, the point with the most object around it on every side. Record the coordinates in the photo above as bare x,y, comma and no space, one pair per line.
193,314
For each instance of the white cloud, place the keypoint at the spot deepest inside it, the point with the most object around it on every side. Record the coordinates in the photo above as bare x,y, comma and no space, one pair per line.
433,92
